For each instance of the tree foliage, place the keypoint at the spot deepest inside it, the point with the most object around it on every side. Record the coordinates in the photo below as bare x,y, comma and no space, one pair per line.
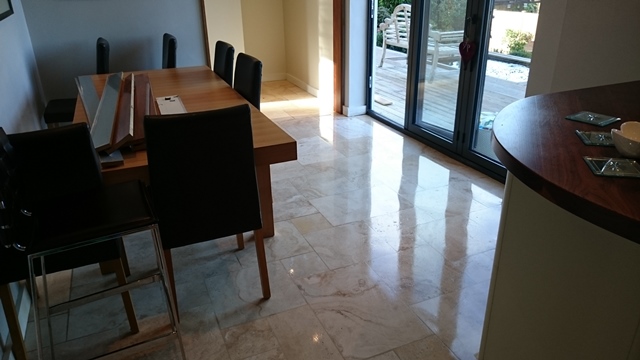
447,15
385,8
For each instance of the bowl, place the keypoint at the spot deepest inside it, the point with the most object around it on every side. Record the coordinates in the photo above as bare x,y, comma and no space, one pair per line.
627,139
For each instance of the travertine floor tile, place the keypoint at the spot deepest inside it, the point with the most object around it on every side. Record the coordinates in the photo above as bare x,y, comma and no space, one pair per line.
348,244
383,250
237,296
302,336
457,318
356,310
250,339
430,348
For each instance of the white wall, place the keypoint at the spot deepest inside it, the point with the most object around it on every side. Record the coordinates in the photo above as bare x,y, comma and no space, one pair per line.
510,20
355,53
584,43
20,97
263,23
64,36
292,38
224,22
309,45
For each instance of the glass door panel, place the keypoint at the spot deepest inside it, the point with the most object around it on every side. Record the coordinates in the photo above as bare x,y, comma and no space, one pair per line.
422,86
439,72
505,66
389,65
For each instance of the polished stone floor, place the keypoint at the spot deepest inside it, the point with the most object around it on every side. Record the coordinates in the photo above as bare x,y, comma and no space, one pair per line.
383,250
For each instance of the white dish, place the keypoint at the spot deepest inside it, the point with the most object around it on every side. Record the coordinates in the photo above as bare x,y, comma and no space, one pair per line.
627,139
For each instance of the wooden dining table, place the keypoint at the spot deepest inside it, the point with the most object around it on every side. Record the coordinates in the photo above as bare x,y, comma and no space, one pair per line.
201,89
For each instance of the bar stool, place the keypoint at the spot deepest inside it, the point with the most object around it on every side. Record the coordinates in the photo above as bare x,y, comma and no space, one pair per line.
72,220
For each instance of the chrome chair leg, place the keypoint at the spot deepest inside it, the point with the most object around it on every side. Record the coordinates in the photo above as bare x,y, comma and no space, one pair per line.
169,295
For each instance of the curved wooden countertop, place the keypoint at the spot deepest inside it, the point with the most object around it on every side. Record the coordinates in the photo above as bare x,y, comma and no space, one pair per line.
539,146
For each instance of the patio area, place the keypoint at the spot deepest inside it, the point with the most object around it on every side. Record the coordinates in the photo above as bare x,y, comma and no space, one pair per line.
504,84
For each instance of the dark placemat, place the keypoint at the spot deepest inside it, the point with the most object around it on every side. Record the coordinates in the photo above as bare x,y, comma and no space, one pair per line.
595,138
593,118
603,166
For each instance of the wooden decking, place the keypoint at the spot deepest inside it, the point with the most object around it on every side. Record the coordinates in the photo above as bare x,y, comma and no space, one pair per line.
439,96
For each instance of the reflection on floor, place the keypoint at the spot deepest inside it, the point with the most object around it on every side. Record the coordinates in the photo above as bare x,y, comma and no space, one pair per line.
383,250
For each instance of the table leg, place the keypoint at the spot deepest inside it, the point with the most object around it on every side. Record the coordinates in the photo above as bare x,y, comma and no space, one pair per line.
107,268
263,173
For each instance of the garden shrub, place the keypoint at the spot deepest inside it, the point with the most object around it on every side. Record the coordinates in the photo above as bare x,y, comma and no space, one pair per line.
516,41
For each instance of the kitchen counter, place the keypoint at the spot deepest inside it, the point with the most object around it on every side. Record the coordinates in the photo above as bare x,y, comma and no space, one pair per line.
565,283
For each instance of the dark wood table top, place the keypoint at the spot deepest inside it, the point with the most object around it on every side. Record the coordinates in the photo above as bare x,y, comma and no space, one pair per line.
539,146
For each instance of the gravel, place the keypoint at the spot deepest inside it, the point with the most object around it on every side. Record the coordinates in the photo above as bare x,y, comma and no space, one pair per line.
507,71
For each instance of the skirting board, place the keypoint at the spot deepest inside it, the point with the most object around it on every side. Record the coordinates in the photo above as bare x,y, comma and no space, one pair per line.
354,110
302,85
274,77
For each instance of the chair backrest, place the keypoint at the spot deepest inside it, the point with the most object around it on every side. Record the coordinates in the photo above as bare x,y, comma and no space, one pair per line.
102,56
248,78
45,165
401,18
202,175
223,61
169,50
56,162
7,189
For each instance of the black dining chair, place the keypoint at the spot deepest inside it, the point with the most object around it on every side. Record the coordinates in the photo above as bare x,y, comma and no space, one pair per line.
248,78
223,61
169,51
59,215
102,56
59,111
208,189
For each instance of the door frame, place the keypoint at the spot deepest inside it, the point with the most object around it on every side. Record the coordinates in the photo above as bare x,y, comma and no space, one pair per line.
469,80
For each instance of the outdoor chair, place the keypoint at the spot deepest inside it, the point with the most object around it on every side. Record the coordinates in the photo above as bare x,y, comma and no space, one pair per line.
442,46
395,30
208,189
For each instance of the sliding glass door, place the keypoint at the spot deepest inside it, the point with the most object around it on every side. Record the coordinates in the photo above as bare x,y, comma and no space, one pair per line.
439,82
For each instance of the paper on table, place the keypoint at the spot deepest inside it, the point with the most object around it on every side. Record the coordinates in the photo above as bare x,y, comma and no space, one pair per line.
170,105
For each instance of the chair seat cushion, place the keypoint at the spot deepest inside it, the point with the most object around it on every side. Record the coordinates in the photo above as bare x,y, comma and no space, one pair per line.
14,263
91,214
59,110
